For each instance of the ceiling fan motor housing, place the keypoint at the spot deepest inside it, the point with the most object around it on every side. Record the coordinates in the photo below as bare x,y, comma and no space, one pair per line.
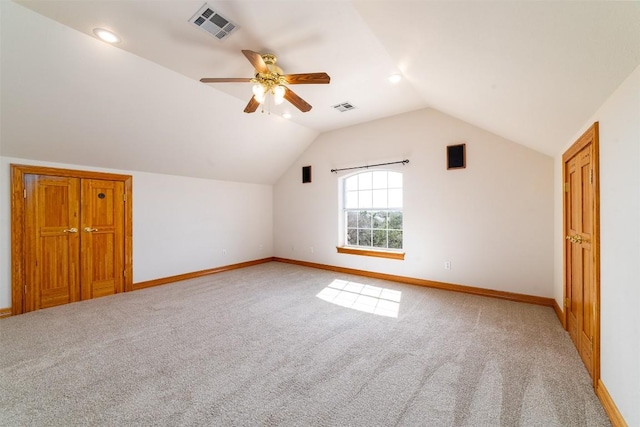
274,77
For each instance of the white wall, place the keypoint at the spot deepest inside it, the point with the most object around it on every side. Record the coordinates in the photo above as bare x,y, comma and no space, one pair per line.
492,220
180,224
619,119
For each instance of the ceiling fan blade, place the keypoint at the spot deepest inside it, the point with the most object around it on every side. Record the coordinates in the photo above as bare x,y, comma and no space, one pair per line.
307,78
225,80
252,106
256,60
297,102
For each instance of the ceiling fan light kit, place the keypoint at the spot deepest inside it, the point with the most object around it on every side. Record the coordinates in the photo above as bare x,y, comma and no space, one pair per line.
269,82
269,79
279,92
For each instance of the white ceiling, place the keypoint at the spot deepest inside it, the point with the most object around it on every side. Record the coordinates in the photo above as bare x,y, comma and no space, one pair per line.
306,36
533,72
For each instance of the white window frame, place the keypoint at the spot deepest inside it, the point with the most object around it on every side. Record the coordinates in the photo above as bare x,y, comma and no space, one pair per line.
391,193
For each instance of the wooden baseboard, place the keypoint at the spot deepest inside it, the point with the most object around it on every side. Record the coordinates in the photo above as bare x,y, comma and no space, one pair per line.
195,274
511,296
609,406
559,313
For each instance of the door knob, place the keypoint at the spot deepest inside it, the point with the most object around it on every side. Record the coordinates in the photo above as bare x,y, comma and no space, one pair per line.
576,238
70,230
89,229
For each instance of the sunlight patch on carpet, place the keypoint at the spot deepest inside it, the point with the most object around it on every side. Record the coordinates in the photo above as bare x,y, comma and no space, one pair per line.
357,296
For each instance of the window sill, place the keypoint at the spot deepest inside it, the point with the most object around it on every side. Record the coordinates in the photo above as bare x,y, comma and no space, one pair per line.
370,252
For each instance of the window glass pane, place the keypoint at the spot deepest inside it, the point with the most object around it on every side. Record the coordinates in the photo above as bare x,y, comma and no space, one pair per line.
364,237
364,219
379,238
352,236
395,239
395,180
364,199
380,198
364,181
395,198
395,220
373,210
352,219
380,219
351,200
380,179
351,183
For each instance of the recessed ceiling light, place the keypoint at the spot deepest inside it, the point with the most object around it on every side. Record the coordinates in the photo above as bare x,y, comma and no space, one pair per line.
106,35
395,78
286,115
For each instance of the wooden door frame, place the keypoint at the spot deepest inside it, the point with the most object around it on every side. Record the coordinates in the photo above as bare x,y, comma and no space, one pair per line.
590,136
18,223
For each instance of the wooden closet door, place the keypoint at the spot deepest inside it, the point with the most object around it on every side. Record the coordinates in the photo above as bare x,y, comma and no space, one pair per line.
52,243
102,241
53,259
581,290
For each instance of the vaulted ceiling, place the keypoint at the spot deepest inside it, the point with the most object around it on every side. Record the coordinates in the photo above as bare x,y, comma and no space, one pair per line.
532,72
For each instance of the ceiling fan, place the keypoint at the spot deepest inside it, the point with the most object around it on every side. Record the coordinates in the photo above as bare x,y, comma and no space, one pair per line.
270,80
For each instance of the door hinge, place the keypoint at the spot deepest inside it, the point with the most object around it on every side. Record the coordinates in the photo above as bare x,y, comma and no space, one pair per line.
591,176
24,193
566,187
124,273
566,302
124,197
25,289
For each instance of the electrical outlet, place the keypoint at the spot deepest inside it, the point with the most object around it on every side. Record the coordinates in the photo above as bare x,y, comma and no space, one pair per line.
224,252
293,248
311,249
261,248
447,265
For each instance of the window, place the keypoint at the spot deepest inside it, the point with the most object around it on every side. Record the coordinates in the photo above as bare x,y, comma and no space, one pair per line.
373,210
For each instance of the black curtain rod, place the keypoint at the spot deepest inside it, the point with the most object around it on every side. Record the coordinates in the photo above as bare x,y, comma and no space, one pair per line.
404,162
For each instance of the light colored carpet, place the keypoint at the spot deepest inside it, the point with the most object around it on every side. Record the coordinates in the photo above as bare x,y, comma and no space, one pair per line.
257,347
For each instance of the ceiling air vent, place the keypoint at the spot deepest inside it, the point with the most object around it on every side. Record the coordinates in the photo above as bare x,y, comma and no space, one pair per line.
213,23
345,106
